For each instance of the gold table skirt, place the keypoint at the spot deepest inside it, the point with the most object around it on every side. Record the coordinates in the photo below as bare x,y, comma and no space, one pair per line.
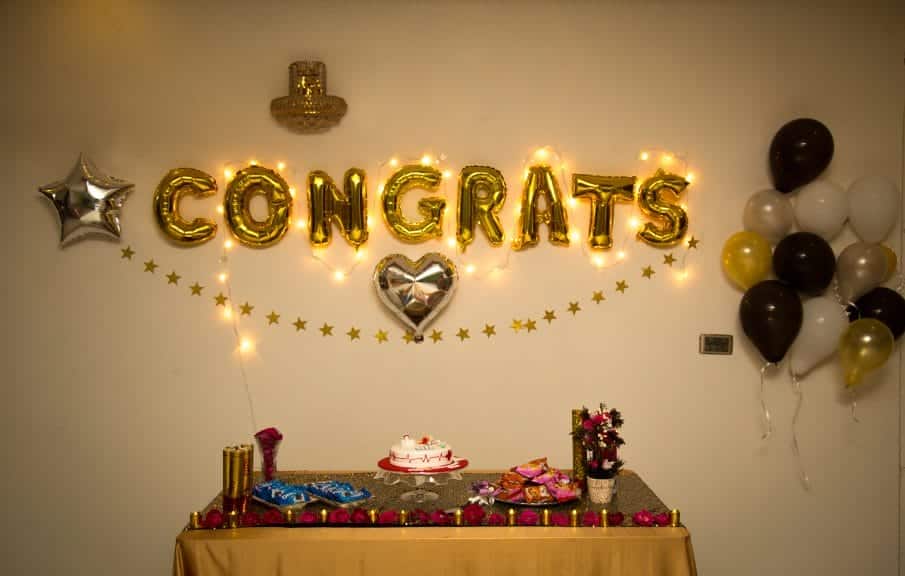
439,551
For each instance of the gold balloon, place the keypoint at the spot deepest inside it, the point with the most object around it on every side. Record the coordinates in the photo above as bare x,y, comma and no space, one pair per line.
248,183
892,261
746,259
541,183
403,180
864,346
603,192
175,184
482,191
674,219
348,208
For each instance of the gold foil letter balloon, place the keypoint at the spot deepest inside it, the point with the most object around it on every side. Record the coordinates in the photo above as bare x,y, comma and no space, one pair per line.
482,191
674,219
603,192
248,183
541,183
347,208
177,183
403,180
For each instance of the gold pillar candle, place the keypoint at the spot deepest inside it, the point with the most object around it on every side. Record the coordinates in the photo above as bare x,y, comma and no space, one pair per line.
323,515
573,518
457,517
235,472
290,516
511,515
227,460
372,515
579,470
403,517
232,519
604,522
674,518
195,520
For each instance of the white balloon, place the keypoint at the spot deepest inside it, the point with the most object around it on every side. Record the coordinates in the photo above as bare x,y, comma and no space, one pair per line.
873,207
822,324
821,208
769,213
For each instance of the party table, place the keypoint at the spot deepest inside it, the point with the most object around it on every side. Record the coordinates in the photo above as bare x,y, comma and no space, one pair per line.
440,550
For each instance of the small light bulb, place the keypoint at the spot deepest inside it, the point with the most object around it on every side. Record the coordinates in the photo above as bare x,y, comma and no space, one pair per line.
684,207
339,275
292,191
469,269
574,236
645,156
451,242
572,202
245,345
300,224
380,188
222,277
599,261
253,162
634,223
370,221
219,209
447,174
667,158
426,160
621,255
281,166
689,177
227,313
394,162
228,244
228,174
525,175
360,254
541,153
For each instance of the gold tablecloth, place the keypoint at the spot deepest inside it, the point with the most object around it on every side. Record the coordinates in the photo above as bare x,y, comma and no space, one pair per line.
475,551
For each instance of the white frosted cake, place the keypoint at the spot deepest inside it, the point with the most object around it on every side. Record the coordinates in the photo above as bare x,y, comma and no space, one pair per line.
426,453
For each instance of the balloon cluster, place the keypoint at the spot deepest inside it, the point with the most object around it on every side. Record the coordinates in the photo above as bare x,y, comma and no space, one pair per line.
771,311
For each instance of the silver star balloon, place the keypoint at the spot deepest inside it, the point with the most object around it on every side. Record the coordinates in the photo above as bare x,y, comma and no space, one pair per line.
88,202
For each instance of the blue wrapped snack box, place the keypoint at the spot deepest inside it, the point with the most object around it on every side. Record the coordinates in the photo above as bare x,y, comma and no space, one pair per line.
279,494
341,493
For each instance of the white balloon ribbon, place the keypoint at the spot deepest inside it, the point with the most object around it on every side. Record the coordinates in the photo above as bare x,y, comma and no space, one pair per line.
768,423
802,473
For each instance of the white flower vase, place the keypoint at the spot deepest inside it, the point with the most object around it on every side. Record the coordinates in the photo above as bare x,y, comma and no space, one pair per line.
600,490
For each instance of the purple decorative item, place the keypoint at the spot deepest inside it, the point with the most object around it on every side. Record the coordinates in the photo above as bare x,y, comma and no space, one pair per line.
269,441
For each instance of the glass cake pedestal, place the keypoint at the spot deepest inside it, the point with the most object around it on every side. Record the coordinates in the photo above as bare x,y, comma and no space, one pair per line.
420,479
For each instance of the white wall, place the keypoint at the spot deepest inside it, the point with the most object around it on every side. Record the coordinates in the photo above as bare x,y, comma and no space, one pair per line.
122,390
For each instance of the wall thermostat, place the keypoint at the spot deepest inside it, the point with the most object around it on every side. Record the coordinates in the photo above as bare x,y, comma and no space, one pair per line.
715,344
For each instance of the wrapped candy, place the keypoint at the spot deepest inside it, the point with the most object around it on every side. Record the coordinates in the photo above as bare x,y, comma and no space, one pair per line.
533,468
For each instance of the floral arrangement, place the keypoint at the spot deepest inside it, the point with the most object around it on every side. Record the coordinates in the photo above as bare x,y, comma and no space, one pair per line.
598,432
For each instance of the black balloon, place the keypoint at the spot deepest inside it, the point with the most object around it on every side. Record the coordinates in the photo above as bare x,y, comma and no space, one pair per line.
799,152
884,305
771,315
805,261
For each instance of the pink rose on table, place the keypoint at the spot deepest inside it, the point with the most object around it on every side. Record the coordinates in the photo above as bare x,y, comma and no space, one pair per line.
359,516
338,516
250,519
496,519
272,517
308,517
439,518
473,514
388,517
528,518
661,519
643,518
213,519
559,519
615,518
420,518
590,518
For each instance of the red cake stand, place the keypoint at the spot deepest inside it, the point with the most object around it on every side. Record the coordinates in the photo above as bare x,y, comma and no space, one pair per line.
419,478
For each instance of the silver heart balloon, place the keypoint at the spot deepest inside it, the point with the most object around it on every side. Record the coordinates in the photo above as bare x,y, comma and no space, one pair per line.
416,292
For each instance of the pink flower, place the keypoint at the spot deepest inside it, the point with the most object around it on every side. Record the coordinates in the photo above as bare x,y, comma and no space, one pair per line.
643,518
359,516
496,519
598,418
388,517
473,514
272,516
588,424
527,518
615,518
661,519
308,517
419,517
590,518
249,519
559,519
439,518
338,516
213,519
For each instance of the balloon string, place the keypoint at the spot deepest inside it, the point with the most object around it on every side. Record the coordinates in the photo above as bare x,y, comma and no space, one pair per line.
802,473
854,407
768,423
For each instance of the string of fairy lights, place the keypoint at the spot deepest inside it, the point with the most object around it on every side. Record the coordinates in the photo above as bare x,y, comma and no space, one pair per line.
674,261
